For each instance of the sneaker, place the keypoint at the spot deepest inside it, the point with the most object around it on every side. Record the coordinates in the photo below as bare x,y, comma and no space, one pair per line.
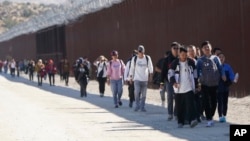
116,106
130,104
180,125
222,119
120,103
170,117
163,104
136,109
193,123
143,110
210,123
203,117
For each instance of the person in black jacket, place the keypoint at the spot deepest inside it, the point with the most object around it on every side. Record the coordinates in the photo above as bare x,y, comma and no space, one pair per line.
164,78
31,69
82,78
181,75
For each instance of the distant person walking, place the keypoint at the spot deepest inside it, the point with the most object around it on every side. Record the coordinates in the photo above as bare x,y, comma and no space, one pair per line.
31,69
224,88
115,74
141,72
51,71
12,67
41,72
164,79
131,86
1,66
65,70
82,77
210,71
101,63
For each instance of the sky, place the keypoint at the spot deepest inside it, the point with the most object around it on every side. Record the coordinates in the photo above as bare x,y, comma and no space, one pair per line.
39,1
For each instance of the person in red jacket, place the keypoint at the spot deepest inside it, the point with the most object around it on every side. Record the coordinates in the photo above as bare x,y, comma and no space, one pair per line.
51,71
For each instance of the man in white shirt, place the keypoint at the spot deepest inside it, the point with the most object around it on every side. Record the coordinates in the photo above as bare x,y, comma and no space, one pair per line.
140,71
12,67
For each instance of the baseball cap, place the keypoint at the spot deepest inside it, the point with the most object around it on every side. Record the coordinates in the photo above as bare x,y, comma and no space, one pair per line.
141,48
114,53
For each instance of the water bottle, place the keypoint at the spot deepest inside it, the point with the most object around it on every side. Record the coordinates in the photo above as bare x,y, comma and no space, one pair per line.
236,77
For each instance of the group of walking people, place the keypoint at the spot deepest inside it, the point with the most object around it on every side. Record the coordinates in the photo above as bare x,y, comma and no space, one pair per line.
195,84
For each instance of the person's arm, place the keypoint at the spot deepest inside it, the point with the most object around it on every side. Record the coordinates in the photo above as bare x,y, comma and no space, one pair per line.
171,72
158,66
126,73
220,67
132,69
150,68
164,71
231,73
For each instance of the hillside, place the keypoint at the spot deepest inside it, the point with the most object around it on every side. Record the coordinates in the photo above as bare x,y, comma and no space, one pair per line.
12,13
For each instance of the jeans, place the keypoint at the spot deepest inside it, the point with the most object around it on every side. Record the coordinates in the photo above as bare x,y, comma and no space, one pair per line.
222,103
210,100
163,91
185,107
102,81
116,88
140,93
170,98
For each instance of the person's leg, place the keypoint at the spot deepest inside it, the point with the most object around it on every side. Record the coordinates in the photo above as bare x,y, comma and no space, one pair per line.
220,103
197,106
190,104
50,75
162,93
144,86
32,75
207,102
170,99
180,109
120,90
113,85
213,95
81,89
53,78
225,103
137,94
85,88
131,90
38,79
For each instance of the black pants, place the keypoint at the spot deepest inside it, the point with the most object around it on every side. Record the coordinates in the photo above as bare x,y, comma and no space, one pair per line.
40,80
222,103
210,100
83,89
31,75
66,77
102,82
12,72
51,76
131,92
185,107
199,104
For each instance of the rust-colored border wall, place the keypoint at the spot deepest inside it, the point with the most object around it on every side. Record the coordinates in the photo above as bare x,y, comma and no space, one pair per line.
21,47
156,23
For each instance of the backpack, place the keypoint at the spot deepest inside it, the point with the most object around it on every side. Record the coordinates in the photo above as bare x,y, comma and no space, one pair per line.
100,74
135,58
210,72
